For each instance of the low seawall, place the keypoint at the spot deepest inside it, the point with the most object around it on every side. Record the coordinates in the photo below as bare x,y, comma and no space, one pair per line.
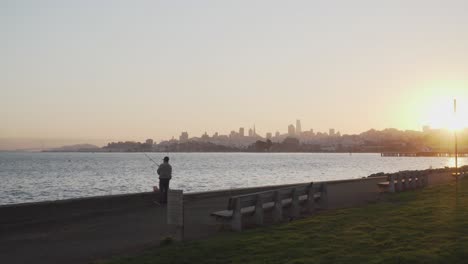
342,193
26,214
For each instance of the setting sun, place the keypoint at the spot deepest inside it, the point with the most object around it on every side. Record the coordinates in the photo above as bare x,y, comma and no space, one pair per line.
454,124
439,113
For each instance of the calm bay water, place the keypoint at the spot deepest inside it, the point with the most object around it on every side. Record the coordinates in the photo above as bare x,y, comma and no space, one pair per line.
29,177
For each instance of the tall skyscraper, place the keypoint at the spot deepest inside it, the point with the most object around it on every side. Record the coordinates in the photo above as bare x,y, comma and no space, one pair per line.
331,132
291,130
251,133
183,137
298,127
241,131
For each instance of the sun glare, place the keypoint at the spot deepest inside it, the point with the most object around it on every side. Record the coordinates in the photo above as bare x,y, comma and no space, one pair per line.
439,114
453,124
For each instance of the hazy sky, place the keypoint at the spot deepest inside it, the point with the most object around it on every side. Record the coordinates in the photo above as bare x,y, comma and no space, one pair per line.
138,69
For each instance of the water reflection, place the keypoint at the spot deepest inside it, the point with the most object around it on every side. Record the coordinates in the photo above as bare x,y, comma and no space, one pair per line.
450,162
50,176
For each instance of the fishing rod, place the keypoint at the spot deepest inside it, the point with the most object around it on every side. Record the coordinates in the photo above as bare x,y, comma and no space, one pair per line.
150,159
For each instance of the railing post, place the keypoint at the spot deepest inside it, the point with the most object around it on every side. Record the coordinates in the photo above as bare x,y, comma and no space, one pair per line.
421,179
396,182
237,216
399,185
278,208
406,178
259,210
310,199
391,183
417,180
295,204
324,196
412,180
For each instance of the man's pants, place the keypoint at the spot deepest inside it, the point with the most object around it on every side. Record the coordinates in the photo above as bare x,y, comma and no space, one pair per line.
163,189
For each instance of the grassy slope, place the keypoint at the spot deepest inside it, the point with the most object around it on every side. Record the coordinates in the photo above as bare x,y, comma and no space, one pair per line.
426,226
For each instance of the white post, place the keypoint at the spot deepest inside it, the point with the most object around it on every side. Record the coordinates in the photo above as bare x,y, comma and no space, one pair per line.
324,197
278,209
399,186
310,199
259,210
391,183
411,178
406,178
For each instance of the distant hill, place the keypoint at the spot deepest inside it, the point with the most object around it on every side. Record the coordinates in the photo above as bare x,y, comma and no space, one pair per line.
75,148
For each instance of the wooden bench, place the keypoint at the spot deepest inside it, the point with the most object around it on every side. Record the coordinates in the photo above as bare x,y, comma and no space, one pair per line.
275,200
461,174
402,181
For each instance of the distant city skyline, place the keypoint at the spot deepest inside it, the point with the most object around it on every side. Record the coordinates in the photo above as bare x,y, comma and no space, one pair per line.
184,136
252,132
99,71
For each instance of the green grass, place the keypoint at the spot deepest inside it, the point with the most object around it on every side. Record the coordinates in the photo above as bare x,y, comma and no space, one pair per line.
425,226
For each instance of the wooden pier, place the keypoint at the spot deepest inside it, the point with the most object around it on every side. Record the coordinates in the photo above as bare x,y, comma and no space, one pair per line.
422,154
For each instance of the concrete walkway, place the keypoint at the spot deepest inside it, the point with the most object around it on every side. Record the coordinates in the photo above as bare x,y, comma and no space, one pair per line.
84,230
83,237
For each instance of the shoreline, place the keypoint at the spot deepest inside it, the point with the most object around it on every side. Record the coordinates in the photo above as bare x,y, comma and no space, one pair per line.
124,194
242,151
409,154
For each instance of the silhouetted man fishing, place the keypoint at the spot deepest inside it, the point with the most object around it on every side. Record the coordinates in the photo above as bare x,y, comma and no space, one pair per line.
165,175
